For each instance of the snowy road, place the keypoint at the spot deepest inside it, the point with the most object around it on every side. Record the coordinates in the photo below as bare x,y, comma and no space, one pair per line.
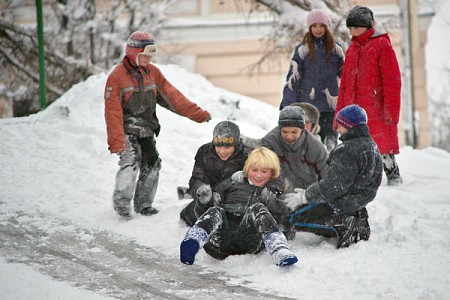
110,265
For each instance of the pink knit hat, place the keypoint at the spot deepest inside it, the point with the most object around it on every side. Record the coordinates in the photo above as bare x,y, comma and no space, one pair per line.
318,16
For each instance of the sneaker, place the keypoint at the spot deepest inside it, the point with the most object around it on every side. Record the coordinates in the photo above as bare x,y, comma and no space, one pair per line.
284,257
347,233
148,211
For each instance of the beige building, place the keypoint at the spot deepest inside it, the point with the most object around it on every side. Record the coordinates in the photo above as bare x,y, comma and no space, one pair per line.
211,38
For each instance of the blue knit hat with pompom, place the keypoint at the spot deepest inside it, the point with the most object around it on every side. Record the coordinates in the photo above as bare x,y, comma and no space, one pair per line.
351,116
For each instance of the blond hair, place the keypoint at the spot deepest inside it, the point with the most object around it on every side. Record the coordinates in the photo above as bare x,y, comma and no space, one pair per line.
263,158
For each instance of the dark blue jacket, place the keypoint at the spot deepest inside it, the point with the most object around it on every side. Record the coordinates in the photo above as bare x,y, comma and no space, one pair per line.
314,76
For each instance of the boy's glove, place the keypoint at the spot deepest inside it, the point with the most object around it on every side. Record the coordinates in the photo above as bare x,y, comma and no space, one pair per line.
294,200
204,193
238,177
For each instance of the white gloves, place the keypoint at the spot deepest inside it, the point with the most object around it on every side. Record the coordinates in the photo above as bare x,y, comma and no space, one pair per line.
204,193
238,177
294,200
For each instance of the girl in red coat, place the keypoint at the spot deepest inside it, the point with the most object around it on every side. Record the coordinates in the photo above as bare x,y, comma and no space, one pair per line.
371,79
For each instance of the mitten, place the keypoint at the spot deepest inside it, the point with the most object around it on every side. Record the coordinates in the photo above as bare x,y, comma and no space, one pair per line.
294,200
267,195
204,193
238,177
330,99
312,94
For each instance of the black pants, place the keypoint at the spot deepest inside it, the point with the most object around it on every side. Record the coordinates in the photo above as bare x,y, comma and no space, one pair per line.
317,218
327,134
231,235
189,214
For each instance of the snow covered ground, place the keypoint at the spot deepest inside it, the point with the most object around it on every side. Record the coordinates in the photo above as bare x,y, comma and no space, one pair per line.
56,215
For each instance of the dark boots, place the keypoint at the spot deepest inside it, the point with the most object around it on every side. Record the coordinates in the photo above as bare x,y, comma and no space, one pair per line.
391,170
347,232
354,229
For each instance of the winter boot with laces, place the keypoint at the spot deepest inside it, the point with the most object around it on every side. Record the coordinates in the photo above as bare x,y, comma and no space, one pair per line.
194,239
276,245
347,232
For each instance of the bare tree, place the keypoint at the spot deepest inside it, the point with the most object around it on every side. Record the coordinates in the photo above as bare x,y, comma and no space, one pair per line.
79,41
289,25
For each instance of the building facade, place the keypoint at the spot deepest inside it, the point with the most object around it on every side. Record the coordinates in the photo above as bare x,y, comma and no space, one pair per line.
218,40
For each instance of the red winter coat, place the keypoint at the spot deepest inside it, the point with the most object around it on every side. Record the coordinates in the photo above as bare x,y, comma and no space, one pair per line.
371,79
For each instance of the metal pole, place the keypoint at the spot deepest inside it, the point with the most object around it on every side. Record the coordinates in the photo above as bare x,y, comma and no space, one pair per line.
42,81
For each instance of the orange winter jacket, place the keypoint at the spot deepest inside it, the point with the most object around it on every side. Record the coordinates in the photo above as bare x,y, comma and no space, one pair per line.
131,95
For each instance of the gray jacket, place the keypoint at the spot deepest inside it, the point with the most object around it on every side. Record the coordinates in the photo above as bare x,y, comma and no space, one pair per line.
302,163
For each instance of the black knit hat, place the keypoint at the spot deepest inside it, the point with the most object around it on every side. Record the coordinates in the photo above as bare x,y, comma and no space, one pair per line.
292,116
360,16
226,133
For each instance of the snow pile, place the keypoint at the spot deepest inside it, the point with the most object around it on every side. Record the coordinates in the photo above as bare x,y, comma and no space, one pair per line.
55,166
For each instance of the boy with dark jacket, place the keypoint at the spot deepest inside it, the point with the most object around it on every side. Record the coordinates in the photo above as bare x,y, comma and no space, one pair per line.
214,162
336,205
238,219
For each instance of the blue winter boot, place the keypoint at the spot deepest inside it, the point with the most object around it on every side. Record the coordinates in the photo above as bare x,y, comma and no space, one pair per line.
276,245
194,239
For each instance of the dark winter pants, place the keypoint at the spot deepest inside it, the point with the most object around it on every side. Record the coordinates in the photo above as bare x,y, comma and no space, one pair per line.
230,235
188,214
141,158
318,219
327,134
